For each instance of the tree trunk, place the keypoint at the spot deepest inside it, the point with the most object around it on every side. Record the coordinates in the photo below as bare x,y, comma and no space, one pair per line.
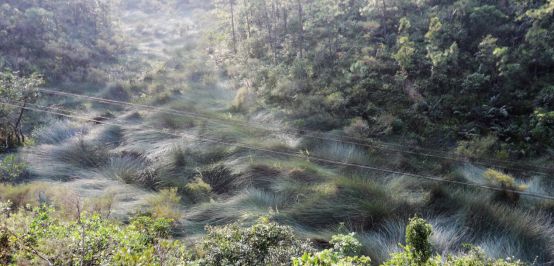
17,130
384,18
301,28
248,33
231,2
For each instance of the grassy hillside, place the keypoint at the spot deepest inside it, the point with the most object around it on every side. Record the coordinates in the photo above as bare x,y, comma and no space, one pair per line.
173,157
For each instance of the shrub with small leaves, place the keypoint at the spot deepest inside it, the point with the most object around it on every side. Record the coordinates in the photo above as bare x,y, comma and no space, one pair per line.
418,233
345,251
11,168
265,243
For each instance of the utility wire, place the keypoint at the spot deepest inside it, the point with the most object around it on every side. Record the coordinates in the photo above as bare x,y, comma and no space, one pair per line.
288,154
314,135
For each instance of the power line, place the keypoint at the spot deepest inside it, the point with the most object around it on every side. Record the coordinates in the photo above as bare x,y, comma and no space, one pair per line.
288,154
313,134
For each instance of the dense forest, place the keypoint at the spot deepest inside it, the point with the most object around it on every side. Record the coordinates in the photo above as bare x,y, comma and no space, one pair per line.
467,73
59,40
278,132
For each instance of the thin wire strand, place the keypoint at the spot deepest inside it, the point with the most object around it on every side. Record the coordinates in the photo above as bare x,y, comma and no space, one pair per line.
378,145
288,154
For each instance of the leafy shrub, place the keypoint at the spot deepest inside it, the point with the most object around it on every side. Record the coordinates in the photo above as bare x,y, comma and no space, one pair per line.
37,236
345,251
477,147
358,128
347,245
329,258
11,168
418,233
262,244
41,236
34,39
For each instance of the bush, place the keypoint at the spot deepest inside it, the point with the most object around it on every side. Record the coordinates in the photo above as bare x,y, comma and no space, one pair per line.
37,236
418,233
477,147
358,128
262,244
42,236
345,251
11,169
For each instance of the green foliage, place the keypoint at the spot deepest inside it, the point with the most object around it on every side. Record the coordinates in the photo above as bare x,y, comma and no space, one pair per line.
477,147
34,38
347,245
418,233
11,168
40,236
15,91
263,243
329,258
418,251
474,68
345,252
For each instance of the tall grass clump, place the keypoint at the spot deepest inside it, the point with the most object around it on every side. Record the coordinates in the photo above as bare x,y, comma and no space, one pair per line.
111,135
130,170
166,204
81,153
197,190
507,183
359,203
58,131
531,231
220,178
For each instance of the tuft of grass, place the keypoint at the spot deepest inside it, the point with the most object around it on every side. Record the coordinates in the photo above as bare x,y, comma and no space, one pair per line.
220,178
507,183
532,231
165,204
342,152
171,121
107,135
101,204
259,176
130,170
383,241
57,131
80,153
500,179
360,203
198,191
